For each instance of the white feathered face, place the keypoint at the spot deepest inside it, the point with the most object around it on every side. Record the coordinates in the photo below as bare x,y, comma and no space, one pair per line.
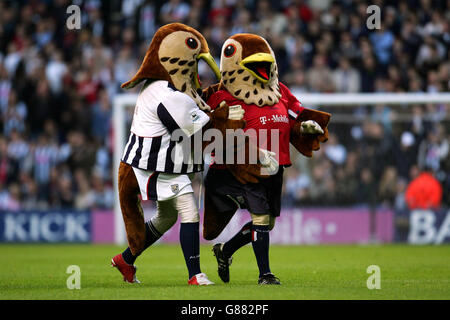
179,53
249,70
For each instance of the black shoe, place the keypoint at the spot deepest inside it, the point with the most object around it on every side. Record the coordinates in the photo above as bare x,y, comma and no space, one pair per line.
223,262
268,278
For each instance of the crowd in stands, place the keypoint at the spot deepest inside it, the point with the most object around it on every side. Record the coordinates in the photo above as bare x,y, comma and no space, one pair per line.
57,86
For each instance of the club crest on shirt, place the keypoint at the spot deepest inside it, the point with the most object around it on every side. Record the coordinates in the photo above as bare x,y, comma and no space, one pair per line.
175,188
194,116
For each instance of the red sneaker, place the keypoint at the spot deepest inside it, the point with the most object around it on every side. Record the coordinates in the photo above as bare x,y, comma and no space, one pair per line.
128,271
200,280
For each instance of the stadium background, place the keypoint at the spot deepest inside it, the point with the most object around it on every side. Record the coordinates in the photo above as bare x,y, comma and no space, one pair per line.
57,87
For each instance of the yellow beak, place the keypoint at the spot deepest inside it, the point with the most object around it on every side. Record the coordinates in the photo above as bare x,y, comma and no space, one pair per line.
208,58
255,59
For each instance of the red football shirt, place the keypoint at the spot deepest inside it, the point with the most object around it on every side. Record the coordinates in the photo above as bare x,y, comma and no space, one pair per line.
264,120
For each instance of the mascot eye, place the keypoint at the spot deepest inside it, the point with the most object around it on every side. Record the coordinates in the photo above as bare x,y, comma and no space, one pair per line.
229,50
192,43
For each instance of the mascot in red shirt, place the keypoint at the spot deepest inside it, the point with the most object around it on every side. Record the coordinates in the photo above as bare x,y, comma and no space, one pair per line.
249,77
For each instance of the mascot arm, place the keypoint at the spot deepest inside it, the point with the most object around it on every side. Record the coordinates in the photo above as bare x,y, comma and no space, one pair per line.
306,122
308,126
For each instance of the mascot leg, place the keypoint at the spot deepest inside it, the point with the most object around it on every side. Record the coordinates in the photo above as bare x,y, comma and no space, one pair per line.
189,232
213,221
139,234
130,205
165,217
244,236
260,242
225,251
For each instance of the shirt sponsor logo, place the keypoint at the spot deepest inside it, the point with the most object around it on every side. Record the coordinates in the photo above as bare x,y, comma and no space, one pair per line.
274,118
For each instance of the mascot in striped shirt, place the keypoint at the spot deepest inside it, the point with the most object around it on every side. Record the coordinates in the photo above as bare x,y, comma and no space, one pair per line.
249,77
153,165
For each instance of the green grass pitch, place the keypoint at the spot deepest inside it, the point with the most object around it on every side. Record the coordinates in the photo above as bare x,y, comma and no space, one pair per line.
306,272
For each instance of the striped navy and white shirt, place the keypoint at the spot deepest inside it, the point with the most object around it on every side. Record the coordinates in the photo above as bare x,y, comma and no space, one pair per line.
160,110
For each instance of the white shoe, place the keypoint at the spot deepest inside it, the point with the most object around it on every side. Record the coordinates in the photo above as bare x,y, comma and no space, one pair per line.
200,279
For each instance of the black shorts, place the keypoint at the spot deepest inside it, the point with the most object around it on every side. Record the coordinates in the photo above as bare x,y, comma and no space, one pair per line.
226,193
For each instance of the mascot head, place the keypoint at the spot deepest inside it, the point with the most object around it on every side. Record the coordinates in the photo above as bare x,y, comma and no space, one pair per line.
249,70
173,55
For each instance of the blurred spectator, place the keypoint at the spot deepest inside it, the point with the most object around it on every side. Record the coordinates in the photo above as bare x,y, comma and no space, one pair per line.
434,149
15,115
387,191
65,197
147,20
125,66
369,73
84,198
382,41
346,79
366,192
18,149
174,11
320,77
103,197
55,71
101,117
10,200
45,157
405,154
335,151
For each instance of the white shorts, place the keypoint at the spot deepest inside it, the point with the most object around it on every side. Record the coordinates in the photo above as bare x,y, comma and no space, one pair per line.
160,186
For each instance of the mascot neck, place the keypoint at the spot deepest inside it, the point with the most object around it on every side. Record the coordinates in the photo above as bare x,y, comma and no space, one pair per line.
243,86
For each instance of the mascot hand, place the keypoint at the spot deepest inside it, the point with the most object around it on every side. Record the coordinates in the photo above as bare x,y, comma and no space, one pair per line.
225,117
311,127
268,162
234,112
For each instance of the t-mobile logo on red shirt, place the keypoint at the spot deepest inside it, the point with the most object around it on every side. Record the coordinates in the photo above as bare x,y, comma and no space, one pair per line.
274,118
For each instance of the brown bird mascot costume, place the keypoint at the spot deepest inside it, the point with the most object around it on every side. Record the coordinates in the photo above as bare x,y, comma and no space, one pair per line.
249,77
168,111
